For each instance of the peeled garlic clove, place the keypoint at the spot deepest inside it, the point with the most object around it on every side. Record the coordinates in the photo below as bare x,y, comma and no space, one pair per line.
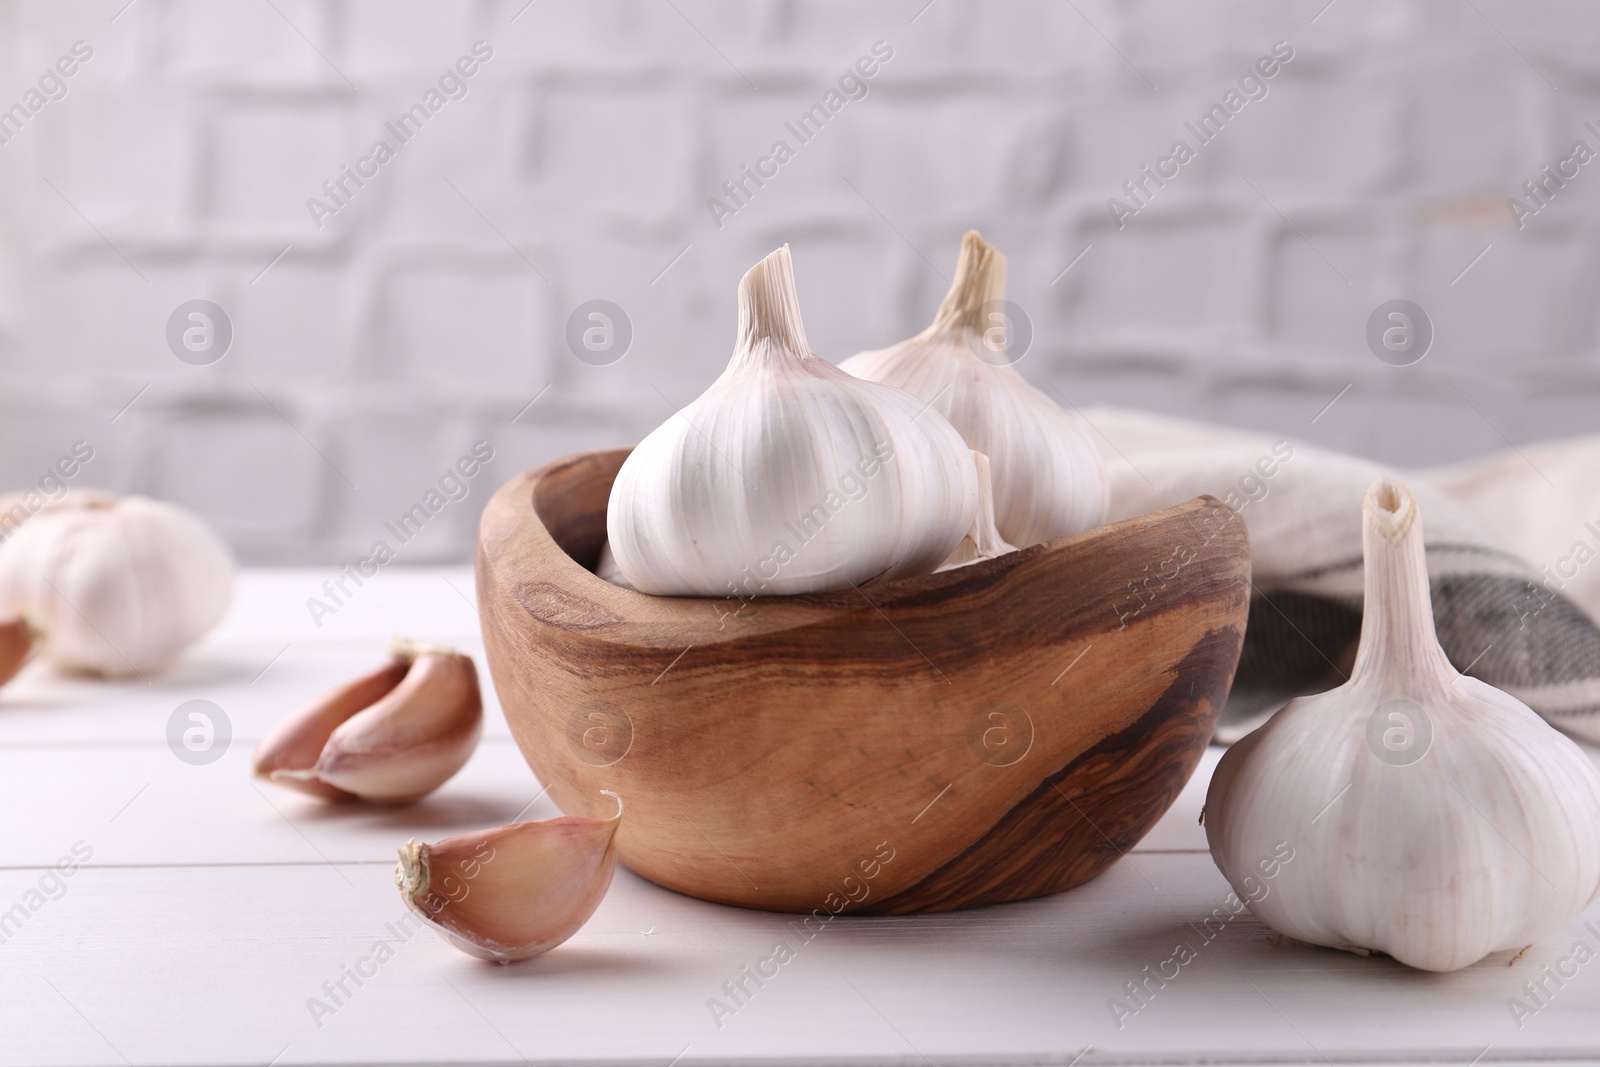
1049,478
17,643
515,891
392,736
1413,810
983,541
788,475
119,586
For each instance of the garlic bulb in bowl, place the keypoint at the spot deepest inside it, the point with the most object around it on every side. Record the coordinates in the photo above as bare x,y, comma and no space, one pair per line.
788,475
1430,815
119,586
1049,478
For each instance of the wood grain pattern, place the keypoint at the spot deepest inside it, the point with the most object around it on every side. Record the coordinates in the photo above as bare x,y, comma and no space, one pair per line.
991,733
1097,808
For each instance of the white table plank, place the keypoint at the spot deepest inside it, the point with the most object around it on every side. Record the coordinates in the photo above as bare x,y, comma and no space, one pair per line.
265,660
146,807
216,965
149,808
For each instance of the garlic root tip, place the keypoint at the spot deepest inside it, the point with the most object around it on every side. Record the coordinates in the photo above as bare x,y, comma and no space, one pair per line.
411,874
406,650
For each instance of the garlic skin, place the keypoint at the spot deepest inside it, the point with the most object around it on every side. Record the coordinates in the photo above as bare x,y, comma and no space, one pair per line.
119,586
983,541
606,567
1432,816
788,475
513,892
1049,478
392,736
18,642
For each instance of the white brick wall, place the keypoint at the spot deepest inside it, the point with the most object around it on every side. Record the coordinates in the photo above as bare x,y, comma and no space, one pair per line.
428,312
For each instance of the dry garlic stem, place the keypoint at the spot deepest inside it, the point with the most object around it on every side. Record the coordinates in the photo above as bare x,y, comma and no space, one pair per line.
18,641
983,541
515,891
1429,815
1049,478
391,736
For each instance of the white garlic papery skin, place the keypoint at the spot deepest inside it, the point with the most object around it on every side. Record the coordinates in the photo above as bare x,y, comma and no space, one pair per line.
788,475
1432,817
1049,477
119,586
983,541
606,567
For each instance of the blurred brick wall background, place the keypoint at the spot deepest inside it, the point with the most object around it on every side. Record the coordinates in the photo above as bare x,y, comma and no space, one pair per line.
431,310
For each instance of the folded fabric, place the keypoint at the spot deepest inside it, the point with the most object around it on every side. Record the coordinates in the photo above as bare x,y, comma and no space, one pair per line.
1499,551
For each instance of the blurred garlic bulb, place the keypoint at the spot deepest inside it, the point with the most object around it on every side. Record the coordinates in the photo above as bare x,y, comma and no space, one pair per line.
392,736
983,541
118,586
515,891
1049,478
788,475
1429,815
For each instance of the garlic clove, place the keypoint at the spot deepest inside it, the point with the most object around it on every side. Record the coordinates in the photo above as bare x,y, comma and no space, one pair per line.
1413,810
292,747
788,475
18,642
983,541
515,891
1049,477
392,736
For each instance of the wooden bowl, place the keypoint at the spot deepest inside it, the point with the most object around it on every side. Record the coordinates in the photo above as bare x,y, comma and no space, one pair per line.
991,733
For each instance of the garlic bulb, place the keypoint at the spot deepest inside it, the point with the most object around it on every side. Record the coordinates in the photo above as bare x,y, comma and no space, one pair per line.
392,736
788,475
515,891
983,541
1429,815
1049,478
119,586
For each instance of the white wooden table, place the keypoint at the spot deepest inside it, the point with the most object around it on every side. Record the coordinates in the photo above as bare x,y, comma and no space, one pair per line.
212,910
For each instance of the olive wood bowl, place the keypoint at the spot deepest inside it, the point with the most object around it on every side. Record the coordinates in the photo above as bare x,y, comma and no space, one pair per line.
1000,731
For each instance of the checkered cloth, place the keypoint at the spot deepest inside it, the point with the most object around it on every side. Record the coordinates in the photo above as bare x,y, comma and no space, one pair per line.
1514,594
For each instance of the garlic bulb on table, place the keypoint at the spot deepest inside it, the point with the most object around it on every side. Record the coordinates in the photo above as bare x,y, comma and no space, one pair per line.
119,586
1430,815
1049,478
788,475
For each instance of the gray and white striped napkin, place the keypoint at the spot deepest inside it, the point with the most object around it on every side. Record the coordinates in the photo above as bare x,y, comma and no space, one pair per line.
1513,550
